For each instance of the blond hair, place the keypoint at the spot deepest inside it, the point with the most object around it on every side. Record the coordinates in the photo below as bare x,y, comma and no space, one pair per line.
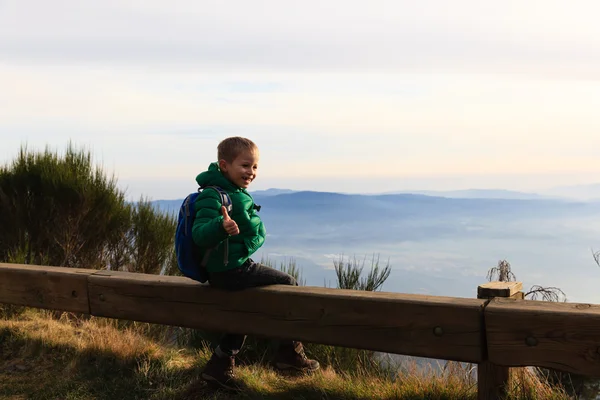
232,147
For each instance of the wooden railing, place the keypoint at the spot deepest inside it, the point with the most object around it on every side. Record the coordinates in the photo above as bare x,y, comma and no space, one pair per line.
495,333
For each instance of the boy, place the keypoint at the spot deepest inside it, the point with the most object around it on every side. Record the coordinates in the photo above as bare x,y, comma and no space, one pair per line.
229,266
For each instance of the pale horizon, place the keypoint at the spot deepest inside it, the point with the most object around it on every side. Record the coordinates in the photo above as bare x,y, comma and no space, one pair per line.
339,96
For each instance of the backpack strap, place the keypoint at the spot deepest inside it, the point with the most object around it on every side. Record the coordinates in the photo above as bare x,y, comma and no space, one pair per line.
226,202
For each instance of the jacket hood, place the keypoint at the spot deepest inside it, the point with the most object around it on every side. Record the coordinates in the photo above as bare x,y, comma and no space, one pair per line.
214,177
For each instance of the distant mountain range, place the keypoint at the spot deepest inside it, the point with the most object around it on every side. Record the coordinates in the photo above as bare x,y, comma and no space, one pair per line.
277,196
581,192
573,192
271,192
462,194
482,194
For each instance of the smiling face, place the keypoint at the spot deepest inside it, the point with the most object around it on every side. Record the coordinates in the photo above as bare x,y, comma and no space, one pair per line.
242,170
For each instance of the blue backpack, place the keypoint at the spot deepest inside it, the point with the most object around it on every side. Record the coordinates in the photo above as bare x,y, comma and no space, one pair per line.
188,253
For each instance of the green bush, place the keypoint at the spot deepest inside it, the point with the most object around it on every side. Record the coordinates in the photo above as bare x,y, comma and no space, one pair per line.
61,210
152,240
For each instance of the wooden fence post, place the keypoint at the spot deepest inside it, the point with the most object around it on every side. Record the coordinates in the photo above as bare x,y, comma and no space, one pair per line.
492,380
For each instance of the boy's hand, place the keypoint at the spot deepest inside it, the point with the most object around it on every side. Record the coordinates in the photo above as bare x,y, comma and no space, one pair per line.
229,225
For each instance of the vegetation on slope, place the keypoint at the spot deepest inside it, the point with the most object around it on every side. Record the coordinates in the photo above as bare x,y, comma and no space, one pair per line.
42,357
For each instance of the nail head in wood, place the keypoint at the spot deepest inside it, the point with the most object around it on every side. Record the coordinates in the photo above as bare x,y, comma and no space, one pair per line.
531,341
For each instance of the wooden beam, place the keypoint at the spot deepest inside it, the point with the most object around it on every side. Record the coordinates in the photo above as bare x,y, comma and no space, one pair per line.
493,379
498,289
564,336
427,326
54,288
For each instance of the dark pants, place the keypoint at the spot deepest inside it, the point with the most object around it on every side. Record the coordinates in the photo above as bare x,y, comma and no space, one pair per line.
250,275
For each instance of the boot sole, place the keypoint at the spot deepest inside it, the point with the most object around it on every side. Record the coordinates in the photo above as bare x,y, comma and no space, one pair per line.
212,381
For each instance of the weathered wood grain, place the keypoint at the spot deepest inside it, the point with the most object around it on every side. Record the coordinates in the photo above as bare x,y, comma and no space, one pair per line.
493,379
498,289
54,288
564,336
428,326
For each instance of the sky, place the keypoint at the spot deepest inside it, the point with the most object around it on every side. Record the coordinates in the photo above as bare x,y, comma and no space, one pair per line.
352,96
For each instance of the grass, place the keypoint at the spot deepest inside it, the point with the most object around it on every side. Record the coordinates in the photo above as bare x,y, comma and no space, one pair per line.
45,355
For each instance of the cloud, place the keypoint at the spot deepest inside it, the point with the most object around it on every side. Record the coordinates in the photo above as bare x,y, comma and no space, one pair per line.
333,124
535,37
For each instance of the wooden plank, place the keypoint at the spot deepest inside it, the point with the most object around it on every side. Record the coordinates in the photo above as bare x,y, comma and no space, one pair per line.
427,326
54,288
518,295
498,289
491,381
564,336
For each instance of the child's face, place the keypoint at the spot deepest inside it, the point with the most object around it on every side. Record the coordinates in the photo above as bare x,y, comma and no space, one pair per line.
243,170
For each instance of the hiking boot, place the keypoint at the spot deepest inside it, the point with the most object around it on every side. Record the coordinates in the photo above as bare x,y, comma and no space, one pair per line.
219,371
293,358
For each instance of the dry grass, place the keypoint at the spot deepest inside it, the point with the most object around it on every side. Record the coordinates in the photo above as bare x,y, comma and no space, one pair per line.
43,357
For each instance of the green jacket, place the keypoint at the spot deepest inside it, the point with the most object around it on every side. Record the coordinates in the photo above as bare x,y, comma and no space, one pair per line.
208,230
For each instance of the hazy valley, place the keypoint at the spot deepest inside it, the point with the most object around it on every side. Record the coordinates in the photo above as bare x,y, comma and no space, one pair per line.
436,245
